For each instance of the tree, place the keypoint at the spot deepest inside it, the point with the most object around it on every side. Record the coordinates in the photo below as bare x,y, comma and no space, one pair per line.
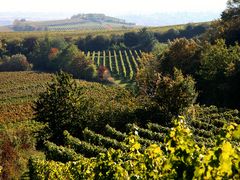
182,54
228,27
82,67
74,105
65,58
219,75
232,11
174,94
39,57
131,39
147,75
14,46
147,40
58,106
41,51
2,48
28,46
170,93
218,61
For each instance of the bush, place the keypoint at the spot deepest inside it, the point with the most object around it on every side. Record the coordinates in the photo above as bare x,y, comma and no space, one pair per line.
17,140
16,62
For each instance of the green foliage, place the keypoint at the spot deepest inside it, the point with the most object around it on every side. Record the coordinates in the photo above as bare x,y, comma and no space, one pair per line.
219,61
232,11
56,54
85,148
16,62
228,27
58,106
207,122
179,157
147,40
100,140
17,143
175,94
159,49
182,54
143,39
64,59
69,105
39,56
147,76
122,65
219,73
171,94
81,67
157,128
113,133
60,153
146,133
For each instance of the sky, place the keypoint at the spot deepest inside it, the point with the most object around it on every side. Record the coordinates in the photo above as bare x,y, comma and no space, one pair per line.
112,7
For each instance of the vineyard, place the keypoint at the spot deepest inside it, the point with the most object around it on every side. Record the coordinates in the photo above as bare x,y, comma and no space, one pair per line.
76,22
18,90
79,154
121,64
87,26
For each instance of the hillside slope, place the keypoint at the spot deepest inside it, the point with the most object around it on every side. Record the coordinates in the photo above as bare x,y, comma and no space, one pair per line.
76,22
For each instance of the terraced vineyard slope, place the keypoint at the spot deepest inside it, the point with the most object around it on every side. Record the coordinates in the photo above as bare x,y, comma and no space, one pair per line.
121,64
77,151
18,90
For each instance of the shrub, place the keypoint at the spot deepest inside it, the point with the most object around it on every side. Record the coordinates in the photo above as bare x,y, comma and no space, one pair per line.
16,62
17,140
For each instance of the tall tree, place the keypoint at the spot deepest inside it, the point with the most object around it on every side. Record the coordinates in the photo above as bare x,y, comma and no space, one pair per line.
232,11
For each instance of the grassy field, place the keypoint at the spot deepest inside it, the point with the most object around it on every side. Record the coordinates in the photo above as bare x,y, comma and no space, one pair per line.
18,90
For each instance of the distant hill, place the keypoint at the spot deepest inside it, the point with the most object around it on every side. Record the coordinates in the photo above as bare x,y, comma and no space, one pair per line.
76,22
5,29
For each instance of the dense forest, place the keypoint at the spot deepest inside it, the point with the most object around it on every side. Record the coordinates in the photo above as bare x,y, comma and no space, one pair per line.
135,105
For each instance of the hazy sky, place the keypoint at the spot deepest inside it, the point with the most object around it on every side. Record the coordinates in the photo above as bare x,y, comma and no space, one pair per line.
112,6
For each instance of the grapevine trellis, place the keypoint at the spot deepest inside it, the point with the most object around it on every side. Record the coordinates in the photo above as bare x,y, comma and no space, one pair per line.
92,144
121,64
